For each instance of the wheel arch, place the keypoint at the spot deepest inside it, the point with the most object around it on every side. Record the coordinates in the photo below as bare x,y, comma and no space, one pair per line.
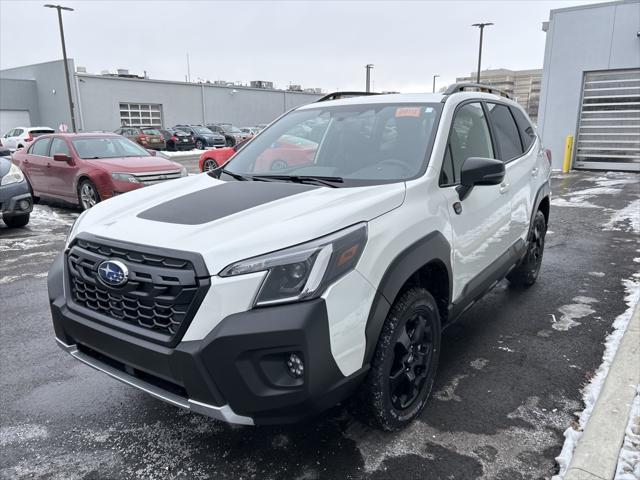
542,203
425,263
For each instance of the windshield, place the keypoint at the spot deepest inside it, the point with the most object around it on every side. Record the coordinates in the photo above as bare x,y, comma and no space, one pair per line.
361,144
202,130
150,131
107,147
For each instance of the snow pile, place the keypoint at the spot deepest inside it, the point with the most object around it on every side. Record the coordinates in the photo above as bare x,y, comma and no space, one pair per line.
629,460
591,392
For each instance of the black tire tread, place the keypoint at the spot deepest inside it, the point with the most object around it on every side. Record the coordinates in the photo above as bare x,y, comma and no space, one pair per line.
522,276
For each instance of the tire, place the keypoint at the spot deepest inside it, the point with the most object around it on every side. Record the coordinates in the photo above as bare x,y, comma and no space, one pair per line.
16,221
199,145
230,142
526,272
403,368
88,194
209,164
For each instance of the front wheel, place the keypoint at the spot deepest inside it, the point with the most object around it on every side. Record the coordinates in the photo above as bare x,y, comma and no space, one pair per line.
199,145
526,272
88,194
404,364
209,165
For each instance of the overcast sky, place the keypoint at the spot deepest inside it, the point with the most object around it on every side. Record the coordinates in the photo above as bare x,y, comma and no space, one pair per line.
315,44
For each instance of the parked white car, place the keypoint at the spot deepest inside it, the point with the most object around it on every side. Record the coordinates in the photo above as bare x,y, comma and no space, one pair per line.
21,137
261,295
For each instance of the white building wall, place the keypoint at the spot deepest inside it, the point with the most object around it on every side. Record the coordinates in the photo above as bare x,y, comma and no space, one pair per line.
579,39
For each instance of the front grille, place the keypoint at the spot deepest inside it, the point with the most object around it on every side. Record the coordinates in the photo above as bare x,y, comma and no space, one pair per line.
156,177
158,300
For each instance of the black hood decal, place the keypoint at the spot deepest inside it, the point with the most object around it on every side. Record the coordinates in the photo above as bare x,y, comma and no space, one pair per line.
221,201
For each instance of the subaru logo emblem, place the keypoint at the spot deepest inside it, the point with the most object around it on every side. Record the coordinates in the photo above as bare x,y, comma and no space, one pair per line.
113,273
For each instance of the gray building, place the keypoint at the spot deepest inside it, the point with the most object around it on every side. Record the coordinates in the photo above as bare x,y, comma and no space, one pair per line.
36,95
591,85
522,85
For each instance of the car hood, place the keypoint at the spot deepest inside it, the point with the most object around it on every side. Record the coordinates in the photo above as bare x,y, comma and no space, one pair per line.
230,221
136,164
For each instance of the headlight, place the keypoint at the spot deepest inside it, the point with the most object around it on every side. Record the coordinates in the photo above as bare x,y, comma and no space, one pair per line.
304,271
184,172
14,175
124,177
74,229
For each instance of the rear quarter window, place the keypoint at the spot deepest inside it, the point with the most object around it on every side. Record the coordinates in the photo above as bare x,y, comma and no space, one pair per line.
527,132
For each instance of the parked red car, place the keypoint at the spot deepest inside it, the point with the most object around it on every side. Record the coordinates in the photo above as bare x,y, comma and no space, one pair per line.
85,168
287,151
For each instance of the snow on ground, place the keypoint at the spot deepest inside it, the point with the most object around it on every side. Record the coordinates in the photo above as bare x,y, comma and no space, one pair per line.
629,459
609,184
627,219
591,392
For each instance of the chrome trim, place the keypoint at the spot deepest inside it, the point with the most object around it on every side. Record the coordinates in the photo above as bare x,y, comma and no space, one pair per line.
224,413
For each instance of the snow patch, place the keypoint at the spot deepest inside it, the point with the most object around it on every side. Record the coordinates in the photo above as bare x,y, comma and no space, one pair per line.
448,393
479,363
572,312
626,219
591,392
597,274
21,433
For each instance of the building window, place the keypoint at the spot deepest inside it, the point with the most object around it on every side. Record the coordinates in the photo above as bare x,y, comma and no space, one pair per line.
141,114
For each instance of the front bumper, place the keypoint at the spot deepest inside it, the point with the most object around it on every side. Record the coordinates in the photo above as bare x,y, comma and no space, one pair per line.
15,199
237,373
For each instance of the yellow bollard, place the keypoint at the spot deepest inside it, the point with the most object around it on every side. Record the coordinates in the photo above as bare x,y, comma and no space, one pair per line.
568,148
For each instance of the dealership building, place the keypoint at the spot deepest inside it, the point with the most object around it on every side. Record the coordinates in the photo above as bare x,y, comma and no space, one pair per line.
37,95
591,85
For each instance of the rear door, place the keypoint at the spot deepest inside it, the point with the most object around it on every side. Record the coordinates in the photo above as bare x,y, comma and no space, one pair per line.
62,174
35,165
520,166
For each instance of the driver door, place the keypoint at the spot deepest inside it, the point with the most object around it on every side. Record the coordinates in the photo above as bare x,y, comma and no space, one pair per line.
481,221
62,174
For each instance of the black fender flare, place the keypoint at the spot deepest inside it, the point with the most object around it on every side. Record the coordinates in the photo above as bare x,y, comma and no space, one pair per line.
433,247
543,192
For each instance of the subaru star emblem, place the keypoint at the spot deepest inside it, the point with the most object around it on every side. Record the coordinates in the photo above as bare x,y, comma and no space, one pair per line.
113,273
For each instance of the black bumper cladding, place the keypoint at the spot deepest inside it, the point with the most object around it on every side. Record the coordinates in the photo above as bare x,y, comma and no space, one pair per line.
237,373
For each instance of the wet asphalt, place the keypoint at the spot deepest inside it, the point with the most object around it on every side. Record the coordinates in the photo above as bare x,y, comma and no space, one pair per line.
508,384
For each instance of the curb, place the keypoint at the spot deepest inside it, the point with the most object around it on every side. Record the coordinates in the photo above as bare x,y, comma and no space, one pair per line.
597,452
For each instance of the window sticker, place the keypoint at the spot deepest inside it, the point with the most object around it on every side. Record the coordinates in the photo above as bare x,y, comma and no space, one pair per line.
407,112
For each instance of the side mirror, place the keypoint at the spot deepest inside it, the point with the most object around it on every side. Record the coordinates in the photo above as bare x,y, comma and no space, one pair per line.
153,153
61,157
479,171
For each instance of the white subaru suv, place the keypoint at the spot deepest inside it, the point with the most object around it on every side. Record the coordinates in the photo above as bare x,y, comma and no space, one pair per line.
321,262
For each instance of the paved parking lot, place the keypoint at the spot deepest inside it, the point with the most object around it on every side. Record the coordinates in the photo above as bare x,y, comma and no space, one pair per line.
508,385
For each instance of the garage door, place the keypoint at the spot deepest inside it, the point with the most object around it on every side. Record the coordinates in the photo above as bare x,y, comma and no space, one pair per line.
609,127
9,119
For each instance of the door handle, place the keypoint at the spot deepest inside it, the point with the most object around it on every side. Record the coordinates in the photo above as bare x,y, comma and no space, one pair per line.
534,172
504,188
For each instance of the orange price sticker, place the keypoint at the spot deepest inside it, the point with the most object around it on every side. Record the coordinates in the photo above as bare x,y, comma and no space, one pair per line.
408,112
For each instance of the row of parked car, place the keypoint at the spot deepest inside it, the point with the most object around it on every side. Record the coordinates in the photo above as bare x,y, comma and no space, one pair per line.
178,138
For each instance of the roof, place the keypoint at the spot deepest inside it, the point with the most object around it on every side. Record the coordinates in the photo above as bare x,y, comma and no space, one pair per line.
382,98
85,134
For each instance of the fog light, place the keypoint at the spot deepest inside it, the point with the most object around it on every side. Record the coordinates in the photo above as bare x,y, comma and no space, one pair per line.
23,204
295,366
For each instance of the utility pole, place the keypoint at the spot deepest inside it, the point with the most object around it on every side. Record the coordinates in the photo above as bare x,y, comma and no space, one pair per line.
434,83
368,68
188,69
59,8
481,27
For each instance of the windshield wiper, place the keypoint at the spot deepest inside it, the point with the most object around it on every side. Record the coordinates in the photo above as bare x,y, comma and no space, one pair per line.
237,176
327,181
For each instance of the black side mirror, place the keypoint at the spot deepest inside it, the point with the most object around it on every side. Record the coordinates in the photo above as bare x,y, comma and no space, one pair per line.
153,153
5,152
479,171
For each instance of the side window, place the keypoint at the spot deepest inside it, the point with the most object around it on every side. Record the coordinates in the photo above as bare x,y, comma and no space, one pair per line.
17,132
41,147
469,137
527,133
58,145
505,131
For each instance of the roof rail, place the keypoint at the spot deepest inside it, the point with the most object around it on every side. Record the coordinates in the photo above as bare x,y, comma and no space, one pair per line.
340,95
481,87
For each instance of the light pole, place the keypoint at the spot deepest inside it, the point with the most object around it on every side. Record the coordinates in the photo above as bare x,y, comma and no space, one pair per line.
66,62
368,68
481,27
434,83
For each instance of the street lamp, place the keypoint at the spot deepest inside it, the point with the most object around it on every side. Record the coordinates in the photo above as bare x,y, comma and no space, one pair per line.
434,83
481,27
368,67
66,62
